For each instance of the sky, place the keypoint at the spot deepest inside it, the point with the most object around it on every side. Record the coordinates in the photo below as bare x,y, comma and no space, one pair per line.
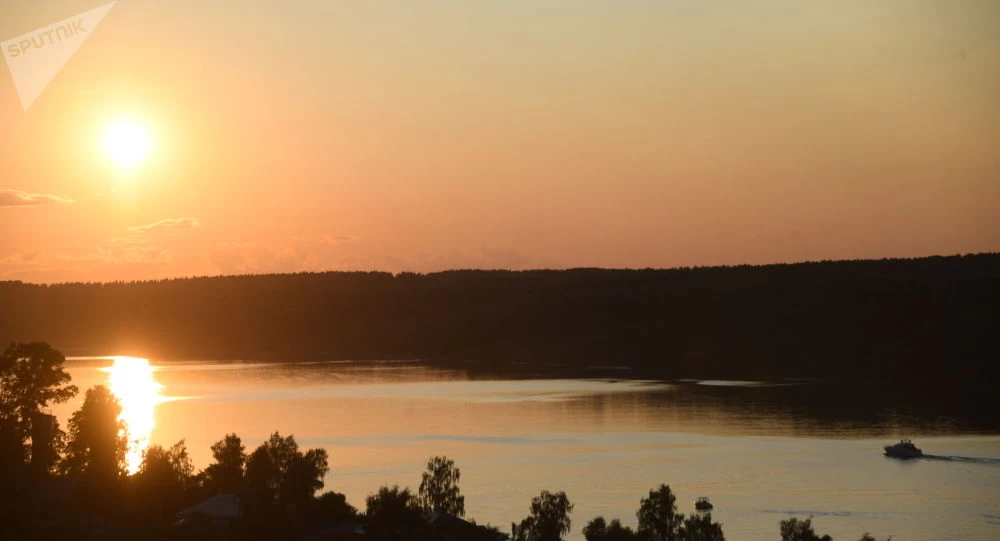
420,136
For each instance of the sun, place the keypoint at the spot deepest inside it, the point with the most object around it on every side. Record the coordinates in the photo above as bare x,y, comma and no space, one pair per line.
126,143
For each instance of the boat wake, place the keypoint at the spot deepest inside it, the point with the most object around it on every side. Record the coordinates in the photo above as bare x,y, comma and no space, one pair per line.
966,459
820,513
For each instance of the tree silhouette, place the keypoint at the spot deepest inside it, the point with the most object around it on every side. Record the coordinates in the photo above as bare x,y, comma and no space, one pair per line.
699,527
97,439
277,472
31,376
869,537
439,487
163,478
305,477
333,506
173,464
794,529
658,517
549,519
226,473
598,530
95,452
392,513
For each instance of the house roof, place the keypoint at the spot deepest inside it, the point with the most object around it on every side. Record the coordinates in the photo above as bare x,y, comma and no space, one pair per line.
456,525
220,506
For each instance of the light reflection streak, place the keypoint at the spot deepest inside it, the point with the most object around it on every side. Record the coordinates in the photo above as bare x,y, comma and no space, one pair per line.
131,380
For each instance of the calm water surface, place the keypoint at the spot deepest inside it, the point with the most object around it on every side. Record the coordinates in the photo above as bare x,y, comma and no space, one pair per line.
761,452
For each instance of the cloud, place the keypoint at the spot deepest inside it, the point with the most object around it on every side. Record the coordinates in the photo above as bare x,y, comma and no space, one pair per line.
338,239
167,224
17,198
303,253
118,251
152,250
22,259
324,239
157,242
177,246
244,258
485,258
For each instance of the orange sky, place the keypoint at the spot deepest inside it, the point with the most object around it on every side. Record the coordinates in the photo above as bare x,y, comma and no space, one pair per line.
517,134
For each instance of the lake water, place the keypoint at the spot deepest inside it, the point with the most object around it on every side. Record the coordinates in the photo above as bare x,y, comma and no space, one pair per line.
761,452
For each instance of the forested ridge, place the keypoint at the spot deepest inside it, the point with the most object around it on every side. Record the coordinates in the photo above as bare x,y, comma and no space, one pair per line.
895,319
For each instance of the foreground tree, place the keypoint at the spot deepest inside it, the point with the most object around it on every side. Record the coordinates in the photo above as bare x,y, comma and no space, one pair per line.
31,377
333,506
393,513
226,473
549,519
439,487
95,453
658,517
794,529
869,537
598,530
172,465
699,527
277,472
97,438
164,478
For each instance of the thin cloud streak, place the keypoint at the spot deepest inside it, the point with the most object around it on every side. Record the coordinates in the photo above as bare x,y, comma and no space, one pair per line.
166,224
18,198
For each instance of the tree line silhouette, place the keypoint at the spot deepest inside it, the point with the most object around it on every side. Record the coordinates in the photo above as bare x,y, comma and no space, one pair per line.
882,320
74,484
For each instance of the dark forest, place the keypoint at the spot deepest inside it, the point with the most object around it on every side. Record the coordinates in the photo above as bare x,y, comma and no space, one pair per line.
928,319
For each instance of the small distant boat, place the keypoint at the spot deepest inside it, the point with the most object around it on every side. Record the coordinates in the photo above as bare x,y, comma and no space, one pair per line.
703,504
903,449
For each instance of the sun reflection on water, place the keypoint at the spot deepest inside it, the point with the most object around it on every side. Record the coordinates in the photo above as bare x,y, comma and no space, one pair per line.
131,380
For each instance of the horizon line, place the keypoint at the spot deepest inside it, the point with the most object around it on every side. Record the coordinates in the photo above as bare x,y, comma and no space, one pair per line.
527,270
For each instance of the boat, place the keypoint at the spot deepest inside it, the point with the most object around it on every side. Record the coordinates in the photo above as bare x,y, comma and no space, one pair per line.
903,449
702,504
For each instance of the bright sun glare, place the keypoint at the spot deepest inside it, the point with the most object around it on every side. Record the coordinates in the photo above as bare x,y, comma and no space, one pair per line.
131,380
126,143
